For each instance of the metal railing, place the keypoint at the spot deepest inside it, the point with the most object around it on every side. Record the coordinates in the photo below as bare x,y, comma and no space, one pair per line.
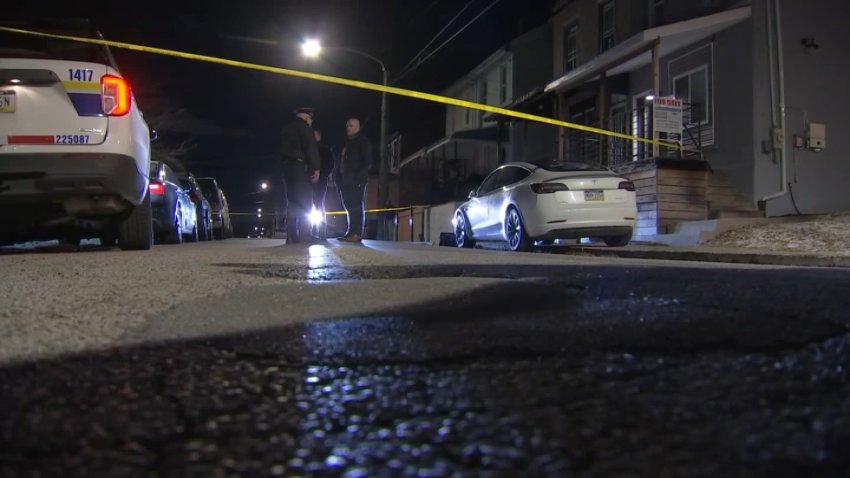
610,151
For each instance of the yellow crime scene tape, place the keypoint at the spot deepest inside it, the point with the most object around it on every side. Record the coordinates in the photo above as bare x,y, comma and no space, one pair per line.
334,213
351,83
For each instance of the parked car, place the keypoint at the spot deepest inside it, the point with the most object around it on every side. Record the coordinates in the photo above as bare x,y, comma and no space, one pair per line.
173,212
74,148
203,210
222,227
522,203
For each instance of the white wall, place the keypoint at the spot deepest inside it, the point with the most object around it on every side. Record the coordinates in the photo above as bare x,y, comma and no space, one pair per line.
439,220
816,83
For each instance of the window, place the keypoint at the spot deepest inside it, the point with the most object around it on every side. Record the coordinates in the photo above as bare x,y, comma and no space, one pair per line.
606,25
467,119
482,97
489,184
570,47
511,175
692,88
690,79
503,84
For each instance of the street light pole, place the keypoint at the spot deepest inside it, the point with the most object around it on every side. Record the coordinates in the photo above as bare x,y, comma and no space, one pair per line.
383,167
312,48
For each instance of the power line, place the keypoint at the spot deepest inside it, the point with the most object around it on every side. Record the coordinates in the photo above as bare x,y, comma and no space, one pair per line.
445,27
420,62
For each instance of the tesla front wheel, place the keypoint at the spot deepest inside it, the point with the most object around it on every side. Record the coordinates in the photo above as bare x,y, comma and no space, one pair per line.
515,233
462,233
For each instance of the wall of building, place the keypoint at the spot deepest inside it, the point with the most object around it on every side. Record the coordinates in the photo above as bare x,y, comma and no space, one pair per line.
585,14
733,107
816,82
532,59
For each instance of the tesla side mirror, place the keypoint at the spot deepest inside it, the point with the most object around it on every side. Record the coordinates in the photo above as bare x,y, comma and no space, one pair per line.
471,194
153,135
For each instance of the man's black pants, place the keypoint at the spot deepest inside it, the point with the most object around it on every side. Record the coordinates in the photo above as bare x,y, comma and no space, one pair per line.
352,201
299,200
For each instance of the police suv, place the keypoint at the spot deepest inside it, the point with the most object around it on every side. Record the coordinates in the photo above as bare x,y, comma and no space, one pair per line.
74,147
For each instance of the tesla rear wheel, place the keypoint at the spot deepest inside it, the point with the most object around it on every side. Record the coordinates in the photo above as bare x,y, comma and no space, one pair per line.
617,241
462,233
518,240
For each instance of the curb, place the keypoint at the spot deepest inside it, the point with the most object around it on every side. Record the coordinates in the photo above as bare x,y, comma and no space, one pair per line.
759,258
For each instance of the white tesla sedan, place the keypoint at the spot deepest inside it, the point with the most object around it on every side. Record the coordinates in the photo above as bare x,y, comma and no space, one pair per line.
523,203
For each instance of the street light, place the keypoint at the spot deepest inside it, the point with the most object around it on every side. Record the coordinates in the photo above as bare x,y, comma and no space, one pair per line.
312,48
264,185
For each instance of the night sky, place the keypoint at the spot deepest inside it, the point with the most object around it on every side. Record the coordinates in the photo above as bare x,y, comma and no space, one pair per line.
232,117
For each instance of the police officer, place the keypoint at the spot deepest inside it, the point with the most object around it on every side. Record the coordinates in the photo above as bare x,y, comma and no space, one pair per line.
300,170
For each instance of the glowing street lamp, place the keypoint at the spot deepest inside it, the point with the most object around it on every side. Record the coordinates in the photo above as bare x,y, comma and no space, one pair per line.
264,185
311,48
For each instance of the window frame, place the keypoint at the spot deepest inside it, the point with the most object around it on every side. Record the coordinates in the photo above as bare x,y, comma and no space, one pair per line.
570,55
608,36
706,111
503,83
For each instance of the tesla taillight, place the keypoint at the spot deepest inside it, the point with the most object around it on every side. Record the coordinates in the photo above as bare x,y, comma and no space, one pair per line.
156,188
115,95
546,188
627,185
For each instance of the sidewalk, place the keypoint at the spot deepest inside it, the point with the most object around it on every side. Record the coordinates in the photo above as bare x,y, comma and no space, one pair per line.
706,253
817,241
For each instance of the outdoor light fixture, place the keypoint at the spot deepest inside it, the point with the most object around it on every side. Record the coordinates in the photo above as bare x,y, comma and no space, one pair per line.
264,185
311,47
649,97
315,217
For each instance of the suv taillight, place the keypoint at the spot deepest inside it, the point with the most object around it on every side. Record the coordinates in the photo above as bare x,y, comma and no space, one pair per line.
115,95
157,188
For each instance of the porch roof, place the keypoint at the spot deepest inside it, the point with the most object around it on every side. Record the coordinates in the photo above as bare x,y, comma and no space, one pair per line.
636,51
486,134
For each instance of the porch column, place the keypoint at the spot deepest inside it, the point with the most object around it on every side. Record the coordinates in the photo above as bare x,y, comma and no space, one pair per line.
602,108
656,86
562,132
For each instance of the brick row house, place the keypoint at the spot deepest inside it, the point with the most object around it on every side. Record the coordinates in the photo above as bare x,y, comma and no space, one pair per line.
739,70
759,83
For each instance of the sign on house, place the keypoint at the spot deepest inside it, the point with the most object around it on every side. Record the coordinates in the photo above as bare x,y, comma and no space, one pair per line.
667,115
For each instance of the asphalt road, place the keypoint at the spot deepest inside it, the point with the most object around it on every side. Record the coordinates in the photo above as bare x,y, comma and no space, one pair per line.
251,358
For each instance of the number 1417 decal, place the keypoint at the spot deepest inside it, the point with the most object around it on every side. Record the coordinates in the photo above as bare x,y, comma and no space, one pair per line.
77,74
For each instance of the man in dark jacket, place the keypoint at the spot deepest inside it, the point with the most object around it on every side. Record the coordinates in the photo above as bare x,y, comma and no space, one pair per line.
300,169
351,175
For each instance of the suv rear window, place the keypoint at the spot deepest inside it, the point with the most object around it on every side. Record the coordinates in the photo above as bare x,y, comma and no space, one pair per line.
20,45
210,191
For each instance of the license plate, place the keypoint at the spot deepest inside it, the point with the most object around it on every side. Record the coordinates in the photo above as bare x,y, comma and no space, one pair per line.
7,101
594,195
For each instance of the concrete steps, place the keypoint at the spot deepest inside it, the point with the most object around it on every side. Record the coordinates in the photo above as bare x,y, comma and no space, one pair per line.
694,233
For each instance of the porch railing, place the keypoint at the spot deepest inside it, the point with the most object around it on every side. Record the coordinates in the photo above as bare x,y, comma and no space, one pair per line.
610,151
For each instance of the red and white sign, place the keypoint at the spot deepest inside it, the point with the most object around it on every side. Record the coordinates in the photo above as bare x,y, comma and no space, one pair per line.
667,115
